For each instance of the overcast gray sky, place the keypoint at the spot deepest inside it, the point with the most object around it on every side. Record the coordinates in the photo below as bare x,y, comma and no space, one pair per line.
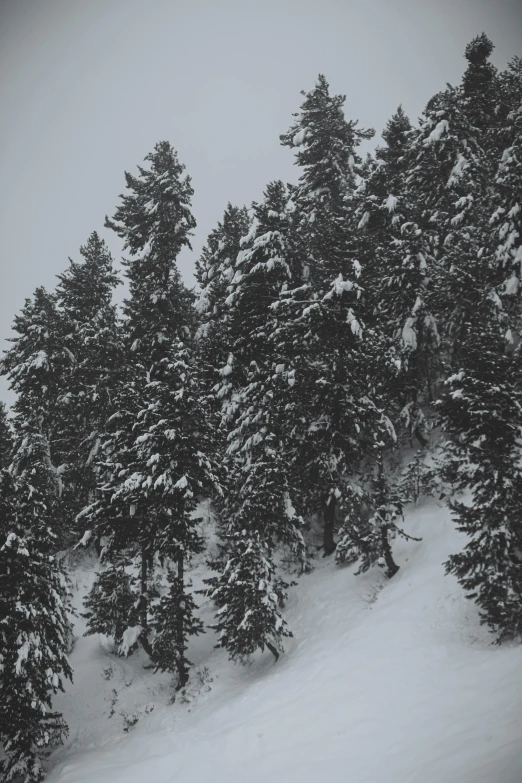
87,87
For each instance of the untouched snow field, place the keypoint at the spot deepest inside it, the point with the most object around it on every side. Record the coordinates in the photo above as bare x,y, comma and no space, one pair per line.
391,682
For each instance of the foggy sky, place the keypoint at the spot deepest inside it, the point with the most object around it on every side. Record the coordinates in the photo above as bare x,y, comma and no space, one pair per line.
87,87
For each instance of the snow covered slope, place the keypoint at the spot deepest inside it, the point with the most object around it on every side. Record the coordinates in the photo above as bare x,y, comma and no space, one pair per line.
399,684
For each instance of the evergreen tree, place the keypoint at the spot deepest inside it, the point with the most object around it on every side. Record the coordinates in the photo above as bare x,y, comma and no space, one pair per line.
249,597
154,464
214,273
450,175
37,366
326,154
91,338
369,540
34,627
36,363
256,508
506,220
378,205
174,620
214,269
481,409
155,222
482,413
390,277
330,412
6,439
110,602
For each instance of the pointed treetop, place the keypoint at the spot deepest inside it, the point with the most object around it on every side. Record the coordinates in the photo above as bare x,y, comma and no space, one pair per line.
94,278
325,142
95,250
270,211
322,86
395,135
156,209
397,124
479,50
479,78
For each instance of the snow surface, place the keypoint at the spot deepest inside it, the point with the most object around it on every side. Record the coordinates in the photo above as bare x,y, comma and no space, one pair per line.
409,335
390,681
438,130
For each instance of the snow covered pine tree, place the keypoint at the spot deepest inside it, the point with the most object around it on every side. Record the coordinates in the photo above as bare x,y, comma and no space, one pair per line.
154,465
320,313
482,409
38,366
257,498
34,606
91,339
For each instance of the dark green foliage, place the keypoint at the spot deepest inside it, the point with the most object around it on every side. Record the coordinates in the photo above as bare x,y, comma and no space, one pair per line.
250,599
34,627
323,137
421,477
155,222
111,603
326,154
154,463
37,366
319,322
214,269
506,218
482,411
91,338
367,539
6,439
173,621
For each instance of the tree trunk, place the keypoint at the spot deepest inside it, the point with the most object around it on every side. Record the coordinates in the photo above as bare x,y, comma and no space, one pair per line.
144,641
143,589
144,603
182,664
329,522
272,650
420,437
391,565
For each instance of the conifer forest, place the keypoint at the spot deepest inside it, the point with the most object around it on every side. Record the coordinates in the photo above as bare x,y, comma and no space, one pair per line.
350,355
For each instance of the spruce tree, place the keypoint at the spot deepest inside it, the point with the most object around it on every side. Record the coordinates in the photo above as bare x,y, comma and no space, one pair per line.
6,439
506,219
174,620
249,617
481,409
91,339
214,273
35,629
325,144
36,363
256,508
110,602
214,268
319,312
390,277
38,366
154,465
368,540
482,414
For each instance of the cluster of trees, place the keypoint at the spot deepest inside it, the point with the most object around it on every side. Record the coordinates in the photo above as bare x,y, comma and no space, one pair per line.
336,319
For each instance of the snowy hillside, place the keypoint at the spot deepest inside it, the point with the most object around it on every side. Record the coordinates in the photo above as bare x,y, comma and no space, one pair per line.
399,684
